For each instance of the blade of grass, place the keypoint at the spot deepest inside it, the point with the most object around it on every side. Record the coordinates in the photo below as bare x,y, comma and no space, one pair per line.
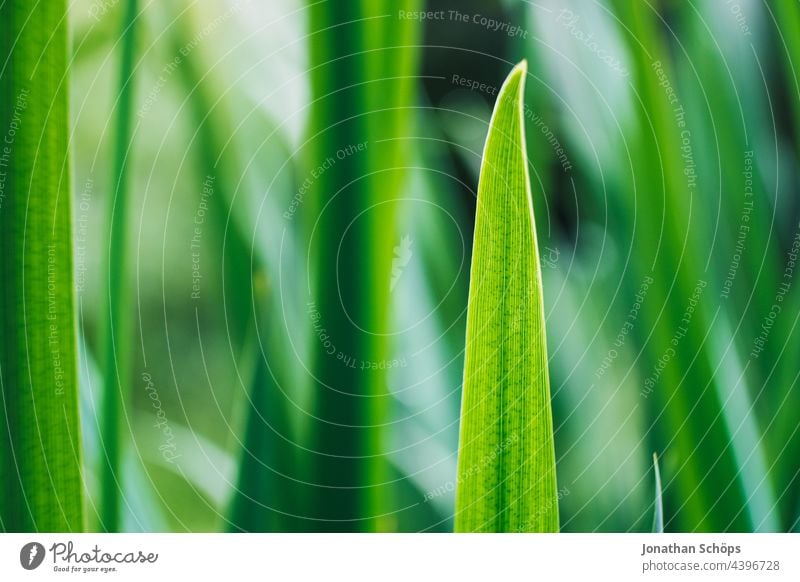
658,504
782,435
264,495
742,380
506,461
362,60
118,323
40,454
684,398
787,20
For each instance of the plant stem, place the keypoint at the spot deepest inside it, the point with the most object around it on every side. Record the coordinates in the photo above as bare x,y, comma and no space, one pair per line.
362,66
119,322
40,455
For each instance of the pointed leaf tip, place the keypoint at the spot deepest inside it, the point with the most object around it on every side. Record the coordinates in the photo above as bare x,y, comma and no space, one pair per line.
506,465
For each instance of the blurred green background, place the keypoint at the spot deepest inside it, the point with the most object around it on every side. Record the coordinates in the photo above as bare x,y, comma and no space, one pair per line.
294,191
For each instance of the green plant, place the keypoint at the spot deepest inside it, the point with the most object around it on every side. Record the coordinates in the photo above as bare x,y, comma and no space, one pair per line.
658,504
40,454
688,401
118,323
666,215
263,499
363,64
506,462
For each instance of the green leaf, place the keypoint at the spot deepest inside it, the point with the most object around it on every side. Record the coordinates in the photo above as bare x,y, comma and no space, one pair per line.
118,323
363,65
658,505
40,458
781,435
506,464
688,402
787,20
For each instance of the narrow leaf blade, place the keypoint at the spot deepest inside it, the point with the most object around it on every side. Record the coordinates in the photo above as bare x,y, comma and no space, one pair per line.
506,466
658,509
41,488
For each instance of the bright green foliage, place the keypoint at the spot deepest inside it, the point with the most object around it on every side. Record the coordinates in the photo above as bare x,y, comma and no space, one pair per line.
506,465
361,78
40,458
689,402
781,434
263,499
658,504
118,319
